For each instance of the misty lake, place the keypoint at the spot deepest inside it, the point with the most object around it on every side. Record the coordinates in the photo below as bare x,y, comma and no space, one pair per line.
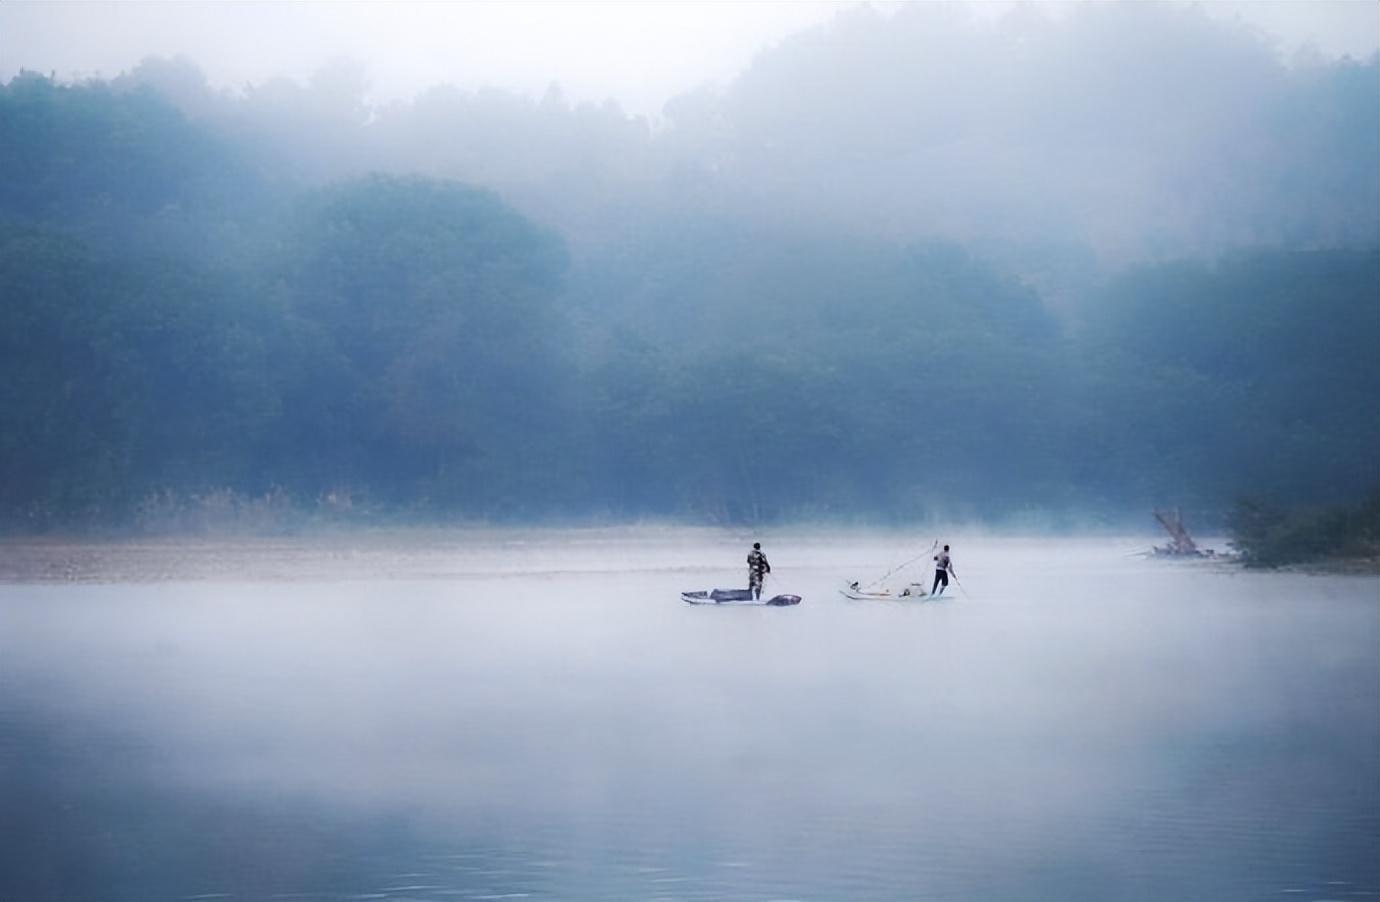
536,715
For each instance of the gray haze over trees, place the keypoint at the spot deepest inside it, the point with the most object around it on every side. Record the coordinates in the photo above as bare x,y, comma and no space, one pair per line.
906,265
1130,130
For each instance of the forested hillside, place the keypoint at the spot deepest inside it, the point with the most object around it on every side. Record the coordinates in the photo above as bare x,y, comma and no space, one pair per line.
195,299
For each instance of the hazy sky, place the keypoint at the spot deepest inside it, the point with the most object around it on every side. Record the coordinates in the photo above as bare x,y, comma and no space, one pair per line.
639,53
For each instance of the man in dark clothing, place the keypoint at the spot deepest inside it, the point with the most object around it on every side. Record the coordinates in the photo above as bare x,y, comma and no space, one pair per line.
758,568
943,566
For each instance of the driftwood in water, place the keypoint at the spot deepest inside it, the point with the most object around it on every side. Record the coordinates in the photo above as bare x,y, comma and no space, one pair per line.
1182,544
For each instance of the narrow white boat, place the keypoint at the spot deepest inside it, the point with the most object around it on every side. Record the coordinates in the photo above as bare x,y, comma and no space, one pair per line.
912,592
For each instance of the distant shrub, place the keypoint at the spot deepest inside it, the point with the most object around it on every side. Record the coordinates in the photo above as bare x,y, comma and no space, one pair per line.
1270,535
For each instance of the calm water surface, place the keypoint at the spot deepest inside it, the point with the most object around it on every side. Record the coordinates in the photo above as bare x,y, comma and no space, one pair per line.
539,717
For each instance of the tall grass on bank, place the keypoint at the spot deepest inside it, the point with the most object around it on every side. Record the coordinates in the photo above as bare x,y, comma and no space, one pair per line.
225,511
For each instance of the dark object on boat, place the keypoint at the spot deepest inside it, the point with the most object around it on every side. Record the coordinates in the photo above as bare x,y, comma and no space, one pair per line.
737,597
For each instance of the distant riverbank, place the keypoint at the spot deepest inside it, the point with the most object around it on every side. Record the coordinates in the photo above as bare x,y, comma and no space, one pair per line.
442,553
375,553
344,554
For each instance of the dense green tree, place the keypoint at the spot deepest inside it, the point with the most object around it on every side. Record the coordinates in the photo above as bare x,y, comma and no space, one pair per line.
435,305
1258,370
176,322
117,378
124,171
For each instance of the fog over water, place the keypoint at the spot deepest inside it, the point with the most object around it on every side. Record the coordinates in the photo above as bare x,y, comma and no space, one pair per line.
541,717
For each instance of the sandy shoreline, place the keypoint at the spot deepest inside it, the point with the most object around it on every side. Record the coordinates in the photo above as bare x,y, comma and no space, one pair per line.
351,555
175,559
344,555
386,554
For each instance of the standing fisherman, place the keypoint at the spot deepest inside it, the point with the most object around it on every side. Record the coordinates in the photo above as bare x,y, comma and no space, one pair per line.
943,566
758,568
